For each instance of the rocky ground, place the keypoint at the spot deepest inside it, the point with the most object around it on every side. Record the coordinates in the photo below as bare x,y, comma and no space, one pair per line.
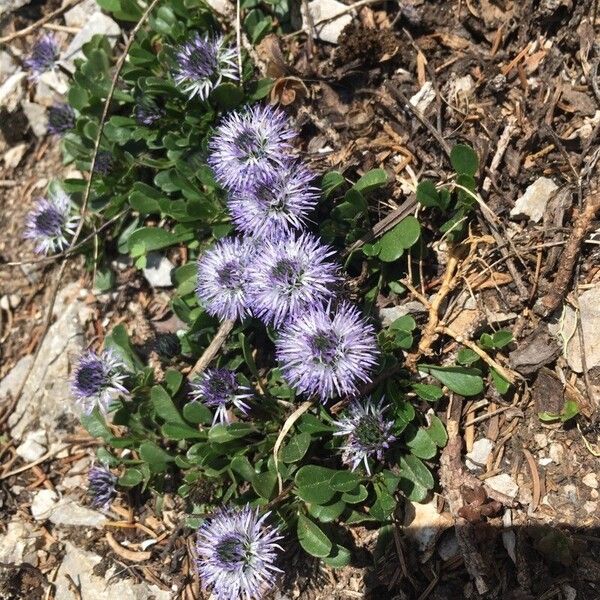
516,514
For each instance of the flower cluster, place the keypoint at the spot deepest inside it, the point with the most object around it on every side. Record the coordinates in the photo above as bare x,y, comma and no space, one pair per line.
237,551
277,272
202,63
61,118
101,487
43,56
50,222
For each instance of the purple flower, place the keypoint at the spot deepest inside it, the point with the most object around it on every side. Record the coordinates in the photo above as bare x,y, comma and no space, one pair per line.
61,118
368,433
237,551
97,379
219,388
147,112
50,222
102,487
327,351
104,162
43,57
202,63
223,278
250,145
277,203
289,275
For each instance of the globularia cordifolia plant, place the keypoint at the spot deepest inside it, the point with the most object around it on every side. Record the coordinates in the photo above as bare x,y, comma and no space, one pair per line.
192,157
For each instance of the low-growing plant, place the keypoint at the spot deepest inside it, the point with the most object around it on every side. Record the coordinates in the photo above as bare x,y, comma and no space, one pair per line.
305,412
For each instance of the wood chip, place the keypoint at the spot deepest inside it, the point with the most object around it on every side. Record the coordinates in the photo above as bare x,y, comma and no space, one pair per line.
125,552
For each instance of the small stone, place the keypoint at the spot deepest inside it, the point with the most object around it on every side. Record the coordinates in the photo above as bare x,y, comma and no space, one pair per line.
33,446
477,458
389,315
541,440
80,14
43,503
328,30
448,546
16,542
534,201
12,91
544,462
556,452
68,513
424,97
570,492
503,484
97,24
37,117
591,480
590,507
14,300
158,270
7,65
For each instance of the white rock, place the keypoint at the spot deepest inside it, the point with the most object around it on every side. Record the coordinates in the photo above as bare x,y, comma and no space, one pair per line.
16,542
591,480
46,397
7,65
389,315
223,7
329,30
541,439
43,503
477,458
33,447
544,462
79,15
534,201
424,97
8,6
556,452
37,117
589,315
448,546
158,270
71,514
504,484
424,524
48,85
79,564
97,24
13,156
12,91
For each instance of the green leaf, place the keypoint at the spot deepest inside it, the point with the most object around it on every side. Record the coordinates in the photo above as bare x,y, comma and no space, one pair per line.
227,96
404,323
339,556
95,425
164,405
196,412
130,478
499,382
220,434
461,380
241,465
370,180
356,496
145,239
421,444
400,238
173,379
344,481
428,392
314,484
118,340
570,410
296,448
467,357
464,159
331,181
259,89
384,505
264,484
437,432
312,424
415,478
502,338
312,539
156,457
328,512
427,194
181,431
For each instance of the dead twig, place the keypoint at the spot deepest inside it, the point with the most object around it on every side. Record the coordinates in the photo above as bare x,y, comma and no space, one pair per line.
31,28
212,349
583,224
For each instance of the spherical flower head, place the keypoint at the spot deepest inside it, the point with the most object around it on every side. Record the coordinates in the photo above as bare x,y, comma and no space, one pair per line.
289,274
277,203
202,64
101,487
50,222
219,389
97,379
223,278
61,118
104,163
237,551
368,433
43,56
147,112
250,145
327,351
